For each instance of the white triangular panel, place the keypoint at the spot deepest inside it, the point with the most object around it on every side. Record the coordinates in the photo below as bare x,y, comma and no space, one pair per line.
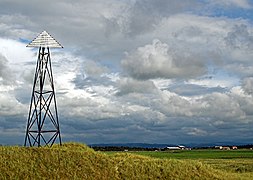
44,39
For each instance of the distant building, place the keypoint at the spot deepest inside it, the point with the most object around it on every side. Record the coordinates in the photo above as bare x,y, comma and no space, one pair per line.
218,147
223,147
226,148
173,148
234,147
180,147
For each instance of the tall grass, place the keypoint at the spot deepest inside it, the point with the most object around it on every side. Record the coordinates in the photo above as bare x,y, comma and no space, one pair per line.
77,161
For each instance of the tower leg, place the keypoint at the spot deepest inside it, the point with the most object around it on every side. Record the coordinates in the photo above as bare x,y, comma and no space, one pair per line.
43,123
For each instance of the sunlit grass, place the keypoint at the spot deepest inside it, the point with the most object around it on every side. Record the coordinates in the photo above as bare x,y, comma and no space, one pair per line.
77,161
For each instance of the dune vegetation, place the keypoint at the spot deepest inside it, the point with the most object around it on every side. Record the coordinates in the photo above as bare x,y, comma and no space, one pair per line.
77,161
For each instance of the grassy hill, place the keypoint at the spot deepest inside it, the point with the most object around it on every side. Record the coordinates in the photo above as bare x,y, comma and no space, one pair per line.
77,161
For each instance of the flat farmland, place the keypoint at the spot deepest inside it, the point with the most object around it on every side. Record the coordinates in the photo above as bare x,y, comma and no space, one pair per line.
199,154
232,161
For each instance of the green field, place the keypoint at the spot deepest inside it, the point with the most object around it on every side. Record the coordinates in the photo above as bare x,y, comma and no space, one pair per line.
235,161
77,161
199,154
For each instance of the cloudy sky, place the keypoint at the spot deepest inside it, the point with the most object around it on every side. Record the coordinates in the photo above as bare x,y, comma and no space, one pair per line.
149,71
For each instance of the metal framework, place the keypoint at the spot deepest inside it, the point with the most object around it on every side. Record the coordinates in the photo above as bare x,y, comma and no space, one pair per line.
43,124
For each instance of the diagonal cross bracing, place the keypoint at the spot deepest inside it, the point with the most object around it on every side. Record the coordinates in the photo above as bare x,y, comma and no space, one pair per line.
43,124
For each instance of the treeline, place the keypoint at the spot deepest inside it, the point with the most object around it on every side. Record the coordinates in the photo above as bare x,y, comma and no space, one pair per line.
248,146
123,148
126,148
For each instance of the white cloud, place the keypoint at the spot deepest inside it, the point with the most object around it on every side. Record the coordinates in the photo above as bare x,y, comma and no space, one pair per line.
13,55
247,85
16,52
158,60
10,105
3,68
222,106
128,85
135,18
94,69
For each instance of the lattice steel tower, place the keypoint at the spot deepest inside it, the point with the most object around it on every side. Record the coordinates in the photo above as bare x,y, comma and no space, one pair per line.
43,124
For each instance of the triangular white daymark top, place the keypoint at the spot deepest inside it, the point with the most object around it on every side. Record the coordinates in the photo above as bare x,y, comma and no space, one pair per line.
44,39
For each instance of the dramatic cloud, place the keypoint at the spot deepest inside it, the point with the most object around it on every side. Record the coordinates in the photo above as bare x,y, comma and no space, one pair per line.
133,71
240,38
3,68
134,86
159,61
142,16
248,85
